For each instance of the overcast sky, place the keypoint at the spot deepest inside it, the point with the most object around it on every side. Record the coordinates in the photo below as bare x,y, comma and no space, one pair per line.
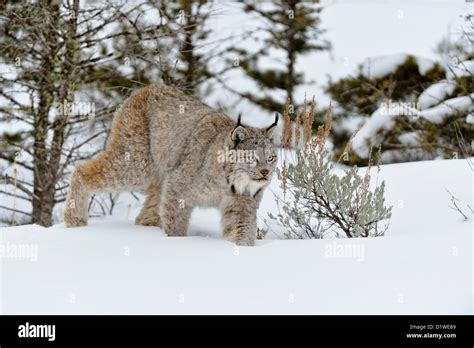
358,29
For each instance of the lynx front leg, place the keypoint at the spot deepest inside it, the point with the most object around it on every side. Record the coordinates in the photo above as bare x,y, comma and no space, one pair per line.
175,212
150,213
239,216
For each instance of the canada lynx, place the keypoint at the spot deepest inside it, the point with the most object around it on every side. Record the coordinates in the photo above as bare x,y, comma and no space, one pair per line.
183,154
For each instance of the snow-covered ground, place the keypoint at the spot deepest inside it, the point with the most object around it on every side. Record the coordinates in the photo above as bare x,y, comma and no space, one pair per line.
422,266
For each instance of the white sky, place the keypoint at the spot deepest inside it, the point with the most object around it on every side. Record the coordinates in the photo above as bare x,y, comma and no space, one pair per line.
368,28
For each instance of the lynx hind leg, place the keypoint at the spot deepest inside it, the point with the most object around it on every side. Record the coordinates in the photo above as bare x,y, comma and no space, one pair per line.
101,174
239,217
75,211
175,213
150,213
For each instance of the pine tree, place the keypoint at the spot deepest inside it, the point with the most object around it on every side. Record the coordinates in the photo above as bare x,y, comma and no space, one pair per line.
291,27
176,59
411,137
56,59
187,21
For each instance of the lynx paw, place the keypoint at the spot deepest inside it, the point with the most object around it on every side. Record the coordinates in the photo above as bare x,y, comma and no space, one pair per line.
245,242
176,234
148,221
74,222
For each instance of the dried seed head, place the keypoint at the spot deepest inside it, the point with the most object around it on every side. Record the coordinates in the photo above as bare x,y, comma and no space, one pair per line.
298,129
308,124
284,174
327,126
379,158
287,131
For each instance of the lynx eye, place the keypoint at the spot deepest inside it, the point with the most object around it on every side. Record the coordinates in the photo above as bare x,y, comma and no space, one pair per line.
252,160
271,158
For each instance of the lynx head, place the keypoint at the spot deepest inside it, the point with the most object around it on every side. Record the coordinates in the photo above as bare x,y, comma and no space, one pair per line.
253,159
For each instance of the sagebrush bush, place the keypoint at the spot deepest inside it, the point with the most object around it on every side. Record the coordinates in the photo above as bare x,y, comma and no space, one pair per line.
317,201
321,201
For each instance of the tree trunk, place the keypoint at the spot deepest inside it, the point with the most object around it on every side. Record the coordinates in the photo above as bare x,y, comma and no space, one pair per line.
40,163
187,51
290,84
47,161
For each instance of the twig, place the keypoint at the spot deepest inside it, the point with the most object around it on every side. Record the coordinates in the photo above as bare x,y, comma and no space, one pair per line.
16,210
455,205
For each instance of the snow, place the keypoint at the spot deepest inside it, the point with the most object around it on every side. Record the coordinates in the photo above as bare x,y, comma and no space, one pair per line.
378,120
382,118
380,66
449,107
422,266
436,93
424,65
470,119
409,138
351,124
465,68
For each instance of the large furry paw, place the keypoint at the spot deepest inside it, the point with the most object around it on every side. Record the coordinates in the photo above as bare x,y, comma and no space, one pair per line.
176,234
245,242
74,222
148,220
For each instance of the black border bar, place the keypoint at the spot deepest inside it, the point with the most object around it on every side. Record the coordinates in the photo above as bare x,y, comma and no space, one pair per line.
137,331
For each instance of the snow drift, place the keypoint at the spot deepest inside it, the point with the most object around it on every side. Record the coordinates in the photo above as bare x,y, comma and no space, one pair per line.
422,266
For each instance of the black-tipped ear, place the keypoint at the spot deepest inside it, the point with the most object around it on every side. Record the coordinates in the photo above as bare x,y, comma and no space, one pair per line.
269,131
240,133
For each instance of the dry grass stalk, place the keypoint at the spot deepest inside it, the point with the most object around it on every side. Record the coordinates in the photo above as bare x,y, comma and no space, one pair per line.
317,144
308,124
379,163
349,144
287,131
301,118
369,161
284,174
379,157
298,129
327,126
367,172
320,139
14,191
304,104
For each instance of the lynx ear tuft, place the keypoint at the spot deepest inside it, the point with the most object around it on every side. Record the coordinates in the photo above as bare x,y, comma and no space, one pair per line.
270,130
239,133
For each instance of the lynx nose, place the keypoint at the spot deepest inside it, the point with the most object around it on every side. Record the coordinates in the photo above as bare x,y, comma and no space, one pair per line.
264,172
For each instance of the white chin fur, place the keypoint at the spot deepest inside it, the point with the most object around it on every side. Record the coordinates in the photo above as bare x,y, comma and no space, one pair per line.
244,185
